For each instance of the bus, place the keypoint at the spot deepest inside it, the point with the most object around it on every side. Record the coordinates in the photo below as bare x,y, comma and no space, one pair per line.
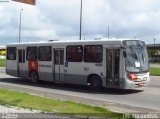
109,63
2,50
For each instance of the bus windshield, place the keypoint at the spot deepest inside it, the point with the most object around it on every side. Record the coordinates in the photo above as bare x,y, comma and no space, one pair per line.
136,56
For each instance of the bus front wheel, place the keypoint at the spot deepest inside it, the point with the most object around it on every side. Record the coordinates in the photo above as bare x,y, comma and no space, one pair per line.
95,83
34,77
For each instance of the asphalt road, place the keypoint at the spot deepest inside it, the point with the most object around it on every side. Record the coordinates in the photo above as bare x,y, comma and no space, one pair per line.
155,65
146,100
2,69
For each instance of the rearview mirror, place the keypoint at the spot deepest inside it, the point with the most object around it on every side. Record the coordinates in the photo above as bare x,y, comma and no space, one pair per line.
124,54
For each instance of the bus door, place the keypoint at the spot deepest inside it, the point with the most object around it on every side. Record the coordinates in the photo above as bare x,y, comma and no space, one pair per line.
112,67
58,64
21,63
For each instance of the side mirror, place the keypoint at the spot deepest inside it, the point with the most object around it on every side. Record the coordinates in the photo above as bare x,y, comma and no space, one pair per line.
124,54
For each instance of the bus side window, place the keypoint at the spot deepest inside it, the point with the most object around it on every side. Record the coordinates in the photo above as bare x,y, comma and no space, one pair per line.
74,53
93,53
45,53
31,53
11,53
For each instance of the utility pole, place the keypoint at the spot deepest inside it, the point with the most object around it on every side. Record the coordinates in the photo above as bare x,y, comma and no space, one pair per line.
108,32
154,46
80,34
20,15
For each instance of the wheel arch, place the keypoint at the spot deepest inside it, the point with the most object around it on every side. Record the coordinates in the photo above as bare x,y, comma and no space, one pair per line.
89,78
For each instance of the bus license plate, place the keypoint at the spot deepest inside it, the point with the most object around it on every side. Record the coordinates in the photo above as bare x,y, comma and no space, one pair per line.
145,78
140,84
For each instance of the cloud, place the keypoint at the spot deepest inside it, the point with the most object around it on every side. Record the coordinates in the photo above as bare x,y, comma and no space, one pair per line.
66,15
52,19
33,24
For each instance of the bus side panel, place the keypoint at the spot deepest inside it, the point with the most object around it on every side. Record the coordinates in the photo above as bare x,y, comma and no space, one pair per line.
77,73
74,73
45,71
94,69
11,67
27,69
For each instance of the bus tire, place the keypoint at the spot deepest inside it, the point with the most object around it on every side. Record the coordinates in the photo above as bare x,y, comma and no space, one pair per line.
34,77
95,83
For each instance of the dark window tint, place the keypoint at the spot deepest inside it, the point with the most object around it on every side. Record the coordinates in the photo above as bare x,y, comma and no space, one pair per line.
59,57
20,58
11,53
23,61
93,53
32,53
56,56
74,53
45,53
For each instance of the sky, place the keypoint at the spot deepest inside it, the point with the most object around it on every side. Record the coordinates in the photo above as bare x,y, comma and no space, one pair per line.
60,19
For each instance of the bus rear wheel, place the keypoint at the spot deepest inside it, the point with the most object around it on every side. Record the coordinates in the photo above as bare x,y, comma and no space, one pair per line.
34,77
95,83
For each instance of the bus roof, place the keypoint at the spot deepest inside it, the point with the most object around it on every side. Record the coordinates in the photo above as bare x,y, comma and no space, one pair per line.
63,42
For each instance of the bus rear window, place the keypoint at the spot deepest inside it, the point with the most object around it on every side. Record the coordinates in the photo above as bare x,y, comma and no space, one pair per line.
11,53
32,53
93,53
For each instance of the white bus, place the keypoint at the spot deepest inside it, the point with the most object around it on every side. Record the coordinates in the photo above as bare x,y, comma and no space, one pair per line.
110,63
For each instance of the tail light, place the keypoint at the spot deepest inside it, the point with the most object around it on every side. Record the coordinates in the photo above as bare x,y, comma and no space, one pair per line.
133,77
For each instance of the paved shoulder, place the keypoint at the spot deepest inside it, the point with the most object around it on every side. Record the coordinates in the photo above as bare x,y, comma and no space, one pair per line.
154,65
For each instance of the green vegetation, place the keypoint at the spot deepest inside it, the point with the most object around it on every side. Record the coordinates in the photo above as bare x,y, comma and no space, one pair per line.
154,71
154,62
49,105
2,62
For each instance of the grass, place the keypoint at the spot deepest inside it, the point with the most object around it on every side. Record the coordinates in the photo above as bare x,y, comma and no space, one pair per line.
154,62
2,62
154,71
24,100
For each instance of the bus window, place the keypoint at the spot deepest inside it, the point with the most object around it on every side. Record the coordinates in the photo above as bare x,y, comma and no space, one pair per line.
11,53
74,53
137,57
61,57
45,53
93,53
31,53
20,58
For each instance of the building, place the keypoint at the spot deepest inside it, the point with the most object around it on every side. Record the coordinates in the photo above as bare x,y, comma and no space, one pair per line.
2,52
153,52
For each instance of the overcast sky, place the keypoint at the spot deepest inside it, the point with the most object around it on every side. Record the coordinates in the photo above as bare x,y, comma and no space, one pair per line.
59,19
